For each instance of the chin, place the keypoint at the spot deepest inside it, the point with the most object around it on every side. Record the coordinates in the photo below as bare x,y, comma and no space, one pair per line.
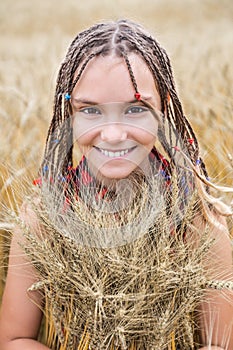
115,174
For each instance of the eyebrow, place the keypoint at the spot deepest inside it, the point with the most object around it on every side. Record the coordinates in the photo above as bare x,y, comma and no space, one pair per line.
84,101
89,102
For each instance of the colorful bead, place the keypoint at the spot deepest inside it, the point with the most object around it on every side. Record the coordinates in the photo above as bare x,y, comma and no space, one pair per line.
67,97
191,141
137,96
86,177
198,162
101,194
45,168
163,172
37,181
61,178
66,205
55,141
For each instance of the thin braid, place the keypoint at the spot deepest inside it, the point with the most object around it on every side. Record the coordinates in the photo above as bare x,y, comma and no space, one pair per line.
130,71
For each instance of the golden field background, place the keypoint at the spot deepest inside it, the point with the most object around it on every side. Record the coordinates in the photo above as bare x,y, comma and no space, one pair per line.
198,35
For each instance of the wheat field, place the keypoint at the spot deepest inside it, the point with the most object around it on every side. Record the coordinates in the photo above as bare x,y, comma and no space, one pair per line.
198,35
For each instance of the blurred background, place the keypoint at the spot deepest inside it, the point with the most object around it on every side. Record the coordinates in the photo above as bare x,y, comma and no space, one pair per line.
197,34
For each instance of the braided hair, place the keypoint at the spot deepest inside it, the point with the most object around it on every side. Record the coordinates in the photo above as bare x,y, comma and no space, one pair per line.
121,37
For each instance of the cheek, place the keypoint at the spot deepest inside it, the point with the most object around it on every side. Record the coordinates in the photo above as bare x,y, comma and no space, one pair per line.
146,135
84,134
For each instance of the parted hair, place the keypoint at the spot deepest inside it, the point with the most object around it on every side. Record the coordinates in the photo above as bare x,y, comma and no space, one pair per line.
121,38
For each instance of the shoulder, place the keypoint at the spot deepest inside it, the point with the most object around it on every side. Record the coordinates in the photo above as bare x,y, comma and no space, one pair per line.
219,248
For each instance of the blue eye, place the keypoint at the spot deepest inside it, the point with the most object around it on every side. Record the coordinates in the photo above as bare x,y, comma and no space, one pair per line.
136,110
90,111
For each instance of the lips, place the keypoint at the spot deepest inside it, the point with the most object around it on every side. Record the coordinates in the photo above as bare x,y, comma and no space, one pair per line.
115,154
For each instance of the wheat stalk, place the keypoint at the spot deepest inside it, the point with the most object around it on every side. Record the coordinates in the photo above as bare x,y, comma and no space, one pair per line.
140,294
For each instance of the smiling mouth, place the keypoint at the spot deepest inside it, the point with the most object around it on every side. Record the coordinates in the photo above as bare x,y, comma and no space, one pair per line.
115,154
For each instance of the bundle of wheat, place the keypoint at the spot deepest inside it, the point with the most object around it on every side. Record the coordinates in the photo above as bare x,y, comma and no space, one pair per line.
125,280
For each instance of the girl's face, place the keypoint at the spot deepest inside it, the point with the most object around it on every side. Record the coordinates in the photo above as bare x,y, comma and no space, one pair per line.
113,130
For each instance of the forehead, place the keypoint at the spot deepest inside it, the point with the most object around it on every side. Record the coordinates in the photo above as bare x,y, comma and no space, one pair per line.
107,79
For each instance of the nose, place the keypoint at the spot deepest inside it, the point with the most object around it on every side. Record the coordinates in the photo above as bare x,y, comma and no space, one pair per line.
113,132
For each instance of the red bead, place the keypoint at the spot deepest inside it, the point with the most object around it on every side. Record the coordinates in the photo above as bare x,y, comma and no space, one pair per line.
101,194
137,96
86,177
37,181
164,160
66,205
191,141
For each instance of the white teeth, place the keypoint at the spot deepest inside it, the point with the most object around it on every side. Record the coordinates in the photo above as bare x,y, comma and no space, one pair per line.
114,154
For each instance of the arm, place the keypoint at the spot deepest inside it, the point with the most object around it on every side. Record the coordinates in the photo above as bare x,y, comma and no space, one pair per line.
216,311
20,317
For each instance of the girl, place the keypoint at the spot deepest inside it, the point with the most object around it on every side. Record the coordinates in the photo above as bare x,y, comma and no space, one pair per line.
120,249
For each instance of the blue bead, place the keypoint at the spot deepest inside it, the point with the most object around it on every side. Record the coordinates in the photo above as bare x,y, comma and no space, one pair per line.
183,180
61,178
67,96
198,162
163,172
46,168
